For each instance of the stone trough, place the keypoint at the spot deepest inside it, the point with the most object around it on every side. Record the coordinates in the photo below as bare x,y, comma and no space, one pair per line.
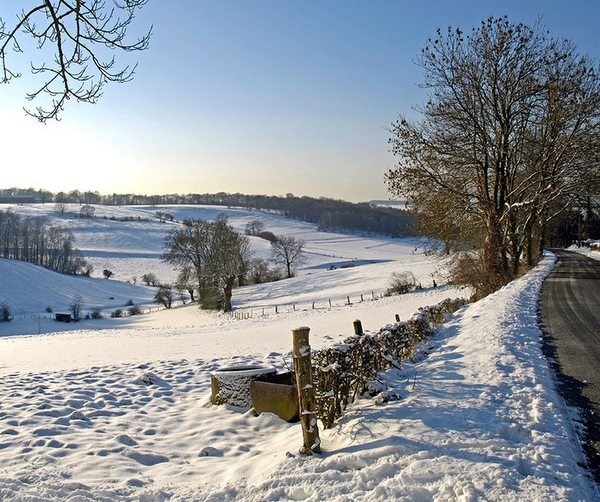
232,385
276,394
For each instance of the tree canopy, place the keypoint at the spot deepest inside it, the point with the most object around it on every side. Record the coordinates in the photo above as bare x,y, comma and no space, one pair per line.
216,253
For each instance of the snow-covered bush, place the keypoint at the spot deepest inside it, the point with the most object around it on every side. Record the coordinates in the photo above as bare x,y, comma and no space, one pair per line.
341,372
96,314
116,313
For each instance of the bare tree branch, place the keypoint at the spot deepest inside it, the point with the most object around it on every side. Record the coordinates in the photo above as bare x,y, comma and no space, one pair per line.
82,35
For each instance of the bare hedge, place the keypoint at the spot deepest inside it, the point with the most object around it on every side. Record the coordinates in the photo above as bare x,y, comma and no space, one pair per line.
341,372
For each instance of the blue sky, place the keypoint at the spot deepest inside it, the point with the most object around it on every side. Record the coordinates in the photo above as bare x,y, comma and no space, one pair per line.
256,97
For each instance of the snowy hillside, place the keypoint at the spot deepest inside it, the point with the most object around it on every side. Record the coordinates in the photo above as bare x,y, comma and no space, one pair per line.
133,248
31,289
129,242
478,418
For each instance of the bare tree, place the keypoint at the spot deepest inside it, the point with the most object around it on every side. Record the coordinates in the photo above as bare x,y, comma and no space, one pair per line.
509,130
76,305
60,208
82,34
289,253
164,296
254,227
215,252
150,279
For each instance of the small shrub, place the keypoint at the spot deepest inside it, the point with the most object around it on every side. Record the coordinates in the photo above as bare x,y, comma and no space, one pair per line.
134,310
129,303
269,236
401,283
75,306
5,312
96,314
117,313
49,310
469,270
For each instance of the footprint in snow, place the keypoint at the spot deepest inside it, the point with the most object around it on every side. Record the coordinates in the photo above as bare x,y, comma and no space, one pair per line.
126,440
147,459
77,415
138,483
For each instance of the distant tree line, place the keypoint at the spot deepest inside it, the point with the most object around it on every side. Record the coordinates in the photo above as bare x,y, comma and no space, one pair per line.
328,214
33,240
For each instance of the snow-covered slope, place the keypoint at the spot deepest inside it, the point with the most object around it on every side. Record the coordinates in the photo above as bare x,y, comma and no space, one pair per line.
478,419
129,242
133,247
30,289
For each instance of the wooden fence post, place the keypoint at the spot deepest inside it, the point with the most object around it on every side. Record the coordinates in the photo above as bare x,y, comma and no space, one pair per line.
348,300
397,318
306,392
361,297
330,302
357,327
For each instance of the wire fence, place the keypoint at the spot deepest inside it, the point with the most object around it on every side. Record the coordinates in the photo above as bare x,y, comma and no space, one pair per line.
322,304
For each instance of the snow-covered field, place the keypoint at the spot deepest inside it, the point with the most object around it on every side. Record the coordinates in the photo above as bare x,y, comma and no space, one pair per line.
132,248
118,409
479,419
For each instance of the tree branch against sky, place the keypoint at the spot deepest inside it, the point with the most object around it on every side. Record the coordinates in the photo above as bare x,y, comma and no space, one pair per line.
82,36
510,127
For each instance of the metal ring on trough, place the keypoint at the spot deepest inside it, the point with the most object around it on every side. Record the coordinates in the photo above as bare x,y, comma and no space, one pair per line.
232,385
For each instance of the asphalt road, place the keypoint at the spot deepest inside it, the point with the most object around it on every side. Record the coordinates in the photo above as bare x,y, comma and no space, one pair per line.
570,314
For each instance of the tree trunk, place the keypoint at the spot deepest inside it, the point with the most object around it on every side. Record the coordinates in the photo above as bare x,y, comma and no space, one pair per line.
542,233
228,293
191,293
495,262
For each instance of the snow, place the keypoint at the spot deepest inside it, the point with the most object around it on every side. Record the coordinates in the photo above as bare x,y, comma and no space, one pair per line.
133,248
591,251
29,289
120,410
